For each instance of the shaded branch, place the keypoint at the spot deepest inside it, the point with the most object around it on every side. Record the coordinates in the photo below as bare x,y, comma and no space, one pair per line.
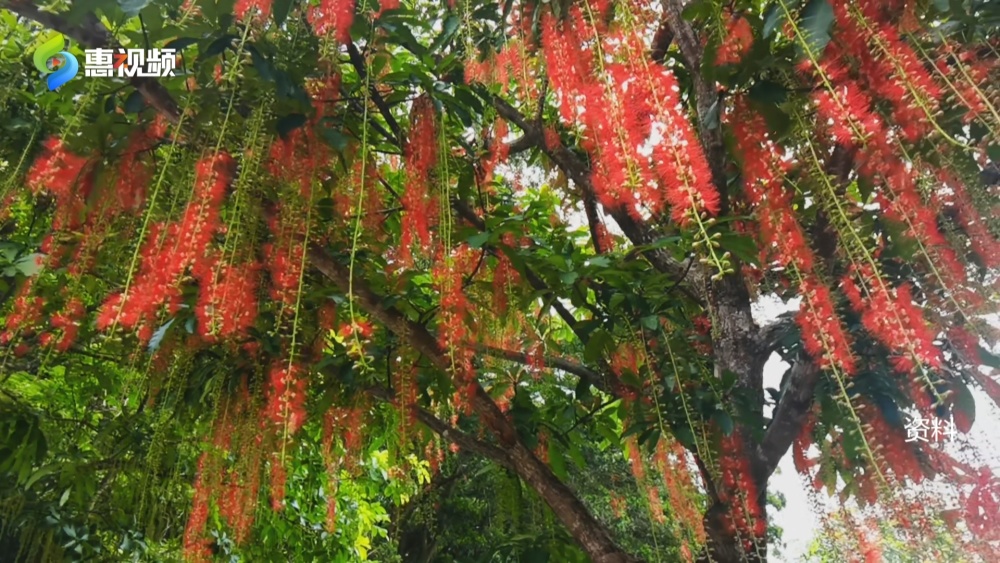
449,432
568,366
707,97
793,408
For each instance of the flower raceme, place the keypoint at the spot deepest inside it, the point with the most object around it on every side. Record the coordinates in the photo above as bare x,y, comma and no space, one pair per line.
420,206
764,178
333,18
736,43
623,107
171,250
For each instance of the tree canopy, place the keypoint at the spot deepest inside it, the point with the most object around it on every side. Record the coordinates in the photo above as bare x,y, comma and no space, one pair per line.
476,280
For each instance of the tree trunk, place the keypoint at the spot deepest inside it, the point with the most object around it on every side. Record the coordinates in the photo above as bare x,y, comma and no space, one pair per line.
723,544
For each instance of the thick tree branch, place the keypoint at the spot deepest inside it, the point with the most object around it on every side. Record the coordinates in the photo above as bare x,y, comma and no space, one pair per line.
593,221
789,415
449,432
91,33
579,370
661,42
589,533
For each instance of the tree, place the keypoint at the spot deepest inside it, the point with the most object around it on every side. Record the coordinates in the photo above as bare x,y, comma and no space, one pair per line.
348,231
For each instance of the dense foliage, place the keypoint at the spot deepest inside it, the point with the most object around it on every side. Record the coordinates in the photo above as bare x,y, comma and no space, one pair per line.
475,281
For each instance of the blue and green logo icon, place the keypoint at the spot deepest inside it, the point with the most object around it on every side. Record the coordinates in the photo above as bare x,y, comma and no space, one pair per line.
52,60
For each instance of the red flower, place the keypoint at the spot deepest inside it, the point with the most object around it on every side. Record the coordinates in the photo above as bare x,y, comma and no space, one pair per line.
737,42
252,8
333,18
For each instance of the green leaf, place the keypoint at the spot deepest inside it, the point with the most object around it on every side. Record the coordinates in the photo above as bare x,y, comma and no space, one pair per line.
264,67
697,11
599,262
65,496
478,240
218,46
816,20
448,29
599,342
773,17
134,103
989,358
42,472
711,117
333,137
157,338
993,151
132,7
576,455
30,265
289,123
965,402
685,436
556,460
180,43
768,92
650,322
742,246
724,421
280,10
582,391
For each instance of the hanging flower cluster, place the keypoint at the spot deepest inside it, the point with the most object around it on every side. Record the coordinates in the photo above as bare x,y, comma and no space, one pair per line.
764,169
284,256
983,243
286,397
891,68
622,107
967,74
197,546
332,18
134,172
738,489
65,326
737,41
227,300
454,332
982,504
258,9
893,318
420,206
67,177
895,454
170,250
671,461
